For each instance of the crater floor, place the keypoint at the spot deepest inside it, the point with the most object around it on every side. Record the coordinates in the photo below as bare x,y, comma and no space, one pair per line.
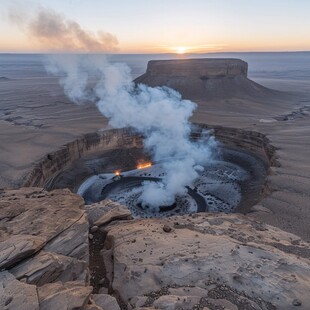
222,186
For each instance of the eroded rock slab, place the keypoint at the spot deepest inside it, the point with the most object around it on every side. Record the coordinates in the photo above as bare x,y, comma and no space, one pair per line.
224,257
16,295
16,248
43,239
73,241
50,267
33,211
106,301
69,296
31,218
119,212
97,210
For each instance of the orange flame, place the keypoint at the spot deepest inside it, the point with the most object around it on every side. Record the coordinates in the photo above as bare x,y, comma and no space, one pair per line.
117,172
144,165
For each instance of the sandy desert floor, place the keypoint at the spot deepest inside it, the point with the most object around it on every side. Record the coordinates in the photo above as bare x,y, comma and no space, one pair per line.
286,123
36,118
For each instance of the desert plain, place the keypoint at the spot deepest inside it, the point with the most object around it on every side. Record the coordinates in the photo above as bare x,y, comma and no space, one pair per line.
36,118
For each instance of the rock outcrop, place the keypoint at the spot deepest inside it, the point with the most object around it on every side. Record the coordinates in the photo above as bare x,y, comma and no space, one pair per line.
44,250
17,295
205,78
69,296
207,260
204,67
198,261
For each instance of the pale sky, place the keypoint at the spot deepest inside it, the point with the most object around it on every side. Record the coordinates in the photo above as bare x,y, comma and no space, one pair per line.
160,26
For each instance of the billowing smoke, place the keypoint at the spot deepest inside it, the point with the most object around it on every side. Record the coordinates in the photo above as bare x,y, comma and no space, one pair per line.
159,114
55,32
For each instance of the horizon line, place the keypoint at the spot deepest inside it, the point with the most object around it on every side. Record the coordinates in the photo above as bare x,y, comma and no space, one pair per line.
163,53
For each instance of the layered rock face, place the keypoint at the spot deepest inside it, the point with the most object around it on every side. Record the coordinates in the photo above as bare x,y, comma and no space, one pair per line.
45,171
203,78
44,251
43,241
204,68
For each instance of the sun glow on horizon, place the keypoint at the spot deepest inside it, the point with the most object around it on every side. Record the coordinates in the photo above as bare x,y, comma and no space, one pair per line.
198,48
181,50
209,26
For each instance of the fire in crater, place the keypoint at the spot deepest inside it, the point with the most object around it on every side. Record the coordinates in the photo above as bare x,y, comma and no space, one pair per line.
144,165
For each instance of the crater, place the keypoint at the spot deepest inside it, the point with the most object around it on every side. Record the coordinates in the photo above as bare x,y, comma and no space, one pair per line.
103,165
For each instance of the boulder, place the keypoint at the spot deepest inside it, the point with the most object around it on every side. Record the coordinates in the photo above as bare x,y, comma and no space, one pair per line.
17,295
106,301
118,212
50,267
69,296
35,218
17,248
105,211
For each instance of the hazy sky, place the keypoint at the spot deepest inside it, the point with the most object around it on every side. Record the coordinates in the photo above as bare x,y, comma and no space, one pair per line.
150,26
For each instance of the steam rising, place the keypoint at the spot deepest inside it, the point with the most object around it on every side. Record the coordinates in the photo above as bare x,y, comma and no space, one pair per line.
54,31
159,114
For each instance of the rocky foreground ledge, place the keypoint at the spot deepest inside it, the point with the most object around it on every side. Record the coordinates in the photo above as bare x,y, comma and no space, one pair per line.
52,248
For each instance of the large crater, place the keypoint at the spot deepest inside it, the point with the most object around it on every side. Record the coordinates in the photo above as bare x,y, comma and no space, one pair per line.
232,182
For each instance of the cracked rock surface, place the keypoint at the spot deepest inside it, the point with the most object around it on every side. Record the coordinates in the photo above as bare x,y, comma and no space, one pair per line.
206,260
43,249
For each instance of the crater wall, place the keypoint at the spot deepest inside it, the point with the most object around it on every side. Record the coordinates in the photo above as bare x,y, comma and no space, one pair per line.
53,163
111,149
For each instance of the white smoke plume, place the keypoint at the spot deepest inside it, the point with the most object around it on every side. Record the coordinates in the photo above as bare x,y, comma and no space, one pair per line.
159,114
55,32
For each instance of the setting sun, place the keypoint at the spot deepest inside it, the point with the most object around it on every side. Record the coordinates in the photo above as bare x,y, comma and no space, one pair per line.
181,50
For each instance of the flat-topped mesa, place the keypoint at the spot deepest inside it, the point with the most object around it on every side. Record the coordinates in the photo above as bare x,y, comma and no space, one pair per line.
204,78
203,68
